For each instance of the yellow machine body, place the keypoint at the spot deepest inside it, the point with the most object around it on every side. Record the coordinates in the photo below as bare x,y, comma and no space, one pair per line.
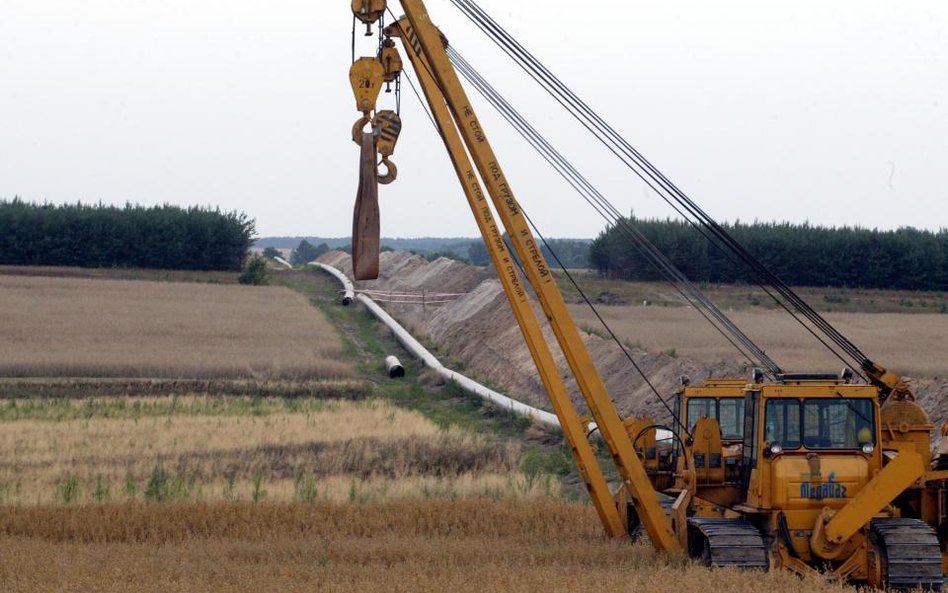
821,467
804,472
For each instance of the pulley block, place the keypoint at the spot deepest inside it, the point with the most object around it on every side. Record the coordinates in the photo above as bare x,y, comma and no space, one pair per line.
391,60
368,11
366,76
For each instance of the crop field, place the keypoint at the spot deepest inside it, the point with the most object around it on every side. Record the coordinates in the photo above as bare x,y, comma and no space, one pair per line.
404,486
78,327
411,546
913,344
902,329
736,297
108,450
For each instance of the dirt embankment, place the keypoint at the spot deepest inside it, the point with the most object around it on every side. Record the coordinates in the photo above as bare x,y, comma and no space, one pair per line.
933,396
479,330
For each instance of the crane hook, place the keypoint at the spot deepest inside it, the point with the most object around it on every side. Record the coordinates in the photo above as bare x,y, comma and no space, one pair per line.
358,128
387,126
391,171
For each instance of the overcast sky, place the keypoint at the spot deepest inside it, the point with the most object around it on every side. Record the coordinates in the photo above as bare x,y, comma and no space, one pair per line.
833,112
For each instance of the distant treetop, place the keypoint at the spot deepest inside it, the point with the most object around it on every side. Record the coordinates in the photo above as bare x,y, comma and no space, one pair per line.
96,235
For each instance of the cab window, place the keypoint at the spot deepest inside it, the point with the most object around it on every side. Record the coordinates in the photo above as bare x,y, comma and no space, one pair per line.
701,407
731,417
728,411
782,423
838,423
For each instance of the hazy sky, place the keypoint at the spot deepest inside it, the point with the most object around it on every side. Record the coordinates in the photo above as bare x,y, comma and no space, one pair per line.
830,111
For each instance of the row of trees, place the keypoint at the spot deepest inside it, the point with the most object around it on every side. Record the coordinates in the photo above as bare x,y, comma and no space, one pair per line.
164,237
801,255
572,253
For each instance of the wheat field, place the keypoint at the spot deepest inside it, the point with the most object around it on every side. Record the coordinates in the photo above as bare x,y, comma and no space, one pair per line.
911,344
78,327
203,448
407,546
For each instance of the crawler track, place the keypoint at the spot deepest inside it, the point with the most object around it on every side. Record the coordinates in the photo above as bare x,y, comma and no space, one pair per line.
635,527
911,555
726,542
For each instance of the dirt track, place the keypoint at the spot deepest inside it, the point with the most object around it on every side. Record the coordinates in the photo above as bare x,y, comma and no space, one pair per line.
479,331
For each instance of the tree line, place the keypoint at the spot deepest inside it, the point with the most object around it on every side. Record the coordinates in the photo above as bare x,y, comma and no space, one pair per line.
801,255
163,237
571,253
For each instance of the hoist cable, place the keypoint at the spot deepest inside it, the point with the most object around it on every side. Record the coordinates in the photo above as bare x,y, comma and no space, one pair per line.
615,338
625,351
599,203
658,182
644,171
353,39
424,104
551,81
588,192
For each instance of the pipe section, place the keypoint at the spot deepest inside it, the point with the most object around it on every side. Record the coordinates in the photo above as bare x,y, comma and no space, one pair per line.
543,417
416,349
394,367
348,290
414,346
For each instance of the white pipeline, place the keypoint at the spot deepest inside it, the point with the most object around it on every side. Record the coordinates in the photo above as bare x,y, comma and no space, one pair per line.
283,262
416,349
414,346
348,290
466,383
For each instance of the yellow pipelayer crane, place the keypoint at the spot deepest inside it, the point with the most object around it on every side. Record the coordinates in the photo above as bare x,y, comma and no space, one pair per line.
805,472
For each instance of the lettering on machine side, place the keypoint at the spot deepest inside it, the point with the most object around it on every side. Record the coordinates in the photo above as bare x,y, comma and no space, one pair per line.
478,132
512,274
495,172
817,491
537,259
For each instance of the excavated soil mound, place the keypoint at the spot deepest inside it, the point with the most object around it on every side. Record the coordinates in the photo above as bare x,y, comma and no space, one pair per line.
478,330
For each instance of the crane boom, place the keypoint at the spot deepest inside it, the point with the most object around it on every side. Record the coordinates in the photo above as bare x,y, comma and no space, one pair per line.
573,428
631,470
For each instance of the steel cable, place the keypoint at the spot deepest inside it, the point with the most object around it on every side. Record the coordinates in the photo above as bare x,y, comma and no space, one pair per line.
588,192
670,193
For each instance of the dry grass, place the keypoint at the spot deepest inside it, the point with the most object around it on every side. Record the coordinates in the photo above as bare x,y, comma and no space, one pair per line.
91,387
73,327
742,296
435,546
913,345
200,448
210,277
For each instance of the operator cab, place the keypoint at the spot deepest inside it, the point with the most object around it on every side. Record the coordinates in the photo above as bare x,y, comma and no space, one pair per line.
721,400
718,399
812,440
